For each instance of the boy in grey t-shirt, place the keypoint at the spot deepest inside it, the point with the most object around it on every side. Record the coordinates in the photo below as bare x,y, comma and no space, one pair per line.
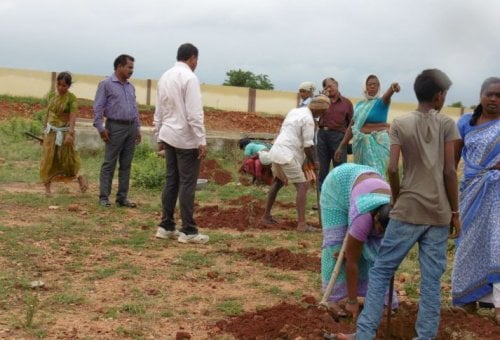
425,206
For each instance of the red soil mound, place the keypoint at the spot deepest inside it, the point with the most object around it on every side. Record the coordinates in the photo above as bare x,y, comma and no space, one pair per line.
217,120
283,258
212,171
288,321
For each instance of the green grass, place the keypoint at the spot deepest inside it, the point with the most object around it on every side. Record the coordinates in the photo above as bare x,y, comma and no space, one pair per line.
276,291
24,100
135,238
193,259
68,299
133,309
102,273
78,253
134,333
261,241
278,276
231,307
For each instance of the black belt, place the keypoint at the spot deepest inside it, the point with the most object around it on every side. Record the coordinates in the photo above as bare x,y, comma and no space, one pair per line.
121,121
326,128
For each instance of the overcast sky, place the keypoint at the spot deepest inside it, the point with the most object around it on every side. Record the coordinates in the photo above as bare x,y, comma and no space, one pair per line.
290,41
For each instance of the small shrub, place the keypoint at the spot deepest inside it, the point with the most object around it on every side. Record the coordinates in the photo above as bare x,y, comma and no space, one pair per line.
133,309
40,116
148,170
142,151
32,303
14,129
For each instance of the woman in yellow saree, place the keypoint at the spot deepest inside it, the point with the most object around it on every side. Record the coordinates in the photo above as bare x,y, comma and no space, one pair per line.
59,158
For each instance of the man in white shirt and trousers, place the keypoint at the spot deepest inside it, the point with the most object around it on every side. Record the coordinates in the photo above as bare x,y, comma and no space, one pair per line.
180,131
293,148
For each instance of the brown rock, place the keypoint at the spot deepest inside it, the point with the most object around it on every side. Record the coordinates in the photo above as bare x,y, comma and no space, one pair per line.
310,300
212,275
303,244
73,207
182,336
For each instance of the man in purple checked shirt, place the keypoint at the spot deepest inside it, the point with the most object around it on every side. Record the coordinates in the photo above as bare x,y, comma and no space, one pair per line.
115,100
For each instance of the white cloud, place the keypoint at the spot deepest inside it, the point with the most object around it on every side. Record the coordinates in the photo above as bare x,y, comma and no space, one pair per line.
289,41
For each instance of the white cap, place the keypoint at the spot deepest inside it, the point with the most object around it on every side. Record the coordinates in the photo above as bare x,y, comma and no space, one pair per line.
308,86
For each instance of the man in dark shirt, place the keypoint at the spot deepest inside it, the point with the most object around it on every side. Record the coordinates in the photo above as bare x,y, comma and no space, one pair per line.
332,127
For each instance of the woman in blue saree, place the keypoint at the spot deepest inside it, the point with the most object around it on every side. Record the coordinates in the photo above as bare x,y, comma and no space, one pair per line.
476,267
368,128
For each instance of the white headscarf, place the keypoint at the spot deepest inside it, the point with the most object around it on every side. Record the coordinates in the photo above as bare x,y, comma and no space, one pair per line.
365,91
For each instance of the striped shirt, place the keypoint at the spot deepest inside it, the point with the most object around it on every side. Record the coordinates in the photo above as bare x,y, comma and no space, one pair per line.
115,100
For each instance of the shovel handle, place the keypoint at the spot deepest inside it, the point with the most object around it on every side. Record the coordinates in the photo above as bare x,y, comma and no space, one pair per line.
335,273
29,134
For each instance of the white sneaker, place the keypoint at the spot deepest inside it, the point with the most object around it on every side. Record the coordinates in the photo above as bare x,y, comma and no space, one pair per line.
167,234
195,238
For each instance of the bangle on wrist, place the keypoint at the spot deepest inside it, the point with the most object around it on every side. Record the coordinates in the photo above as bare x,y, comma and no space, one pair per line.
352,301
455,212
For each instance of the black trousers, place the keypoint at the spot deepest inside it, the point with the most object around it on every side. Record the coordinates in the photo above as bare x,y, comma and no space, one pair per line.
183,167
119,149
328,141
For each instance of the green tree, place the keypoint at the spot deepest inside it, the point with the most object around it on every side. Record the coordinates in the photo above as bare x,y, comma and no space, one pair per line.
457,104
243,78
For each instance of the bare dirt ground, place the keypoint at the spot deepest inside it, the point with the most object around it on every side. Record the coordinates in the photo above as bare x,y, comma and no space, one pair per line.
218,120
280,319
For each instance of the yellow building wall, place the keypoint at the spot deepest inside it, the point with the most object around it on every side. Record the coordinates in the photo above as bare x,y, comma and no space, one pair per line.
85,86
24,83
398,109
31,83
229,98
275,102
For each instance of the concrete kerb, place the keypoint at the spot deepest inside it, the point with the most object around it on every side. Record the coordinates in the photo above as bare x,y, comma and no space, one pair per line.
225,141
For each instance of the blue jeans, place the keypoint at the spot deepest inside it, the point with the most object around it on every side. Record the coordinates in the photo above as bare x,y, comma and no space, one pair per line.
398,240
